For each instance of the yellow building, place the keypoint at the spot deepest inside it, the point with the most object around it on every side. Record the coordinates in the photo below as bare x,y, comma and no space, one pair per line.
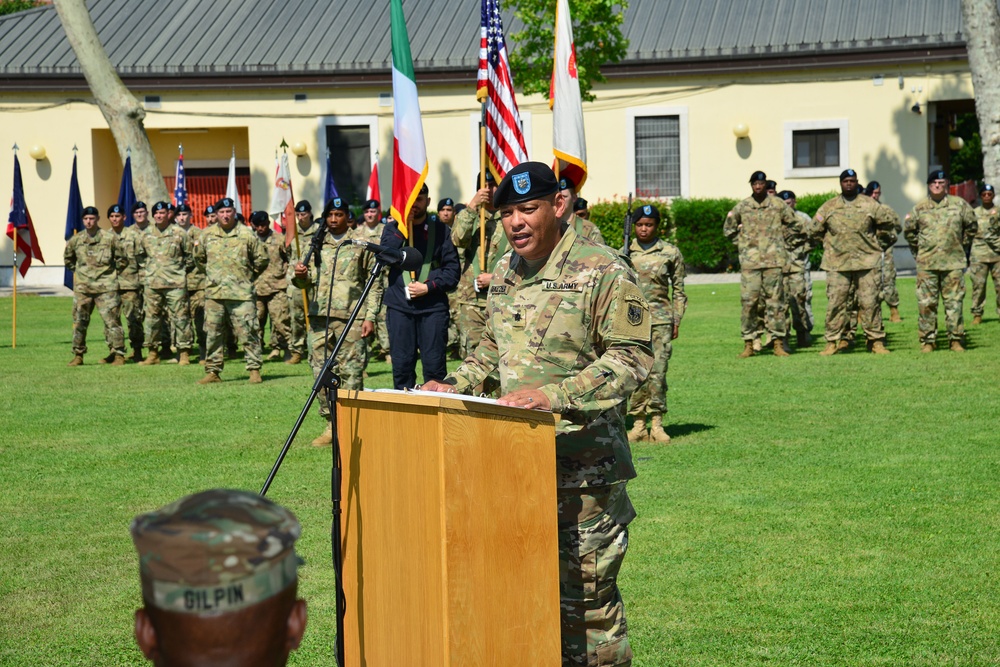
815,88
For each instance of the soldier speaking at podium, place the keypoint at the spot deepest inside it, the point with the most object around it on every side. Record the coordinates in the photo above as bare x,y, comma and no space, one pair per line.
568,330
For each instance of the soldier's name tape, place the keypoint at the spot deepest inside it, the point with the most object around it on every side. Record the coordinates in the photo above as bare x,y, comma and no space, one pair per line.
221,598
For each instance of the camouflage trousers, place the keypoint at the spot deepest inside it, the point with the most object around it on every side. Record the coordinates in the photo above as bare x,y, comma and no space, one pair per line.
196,306
651,396
593,540
163,306
242,317
979,273
275,306
949,286
297,320
797,292
454,333
866,287
351,361
109,306
888,274
471,326
132,312
762,290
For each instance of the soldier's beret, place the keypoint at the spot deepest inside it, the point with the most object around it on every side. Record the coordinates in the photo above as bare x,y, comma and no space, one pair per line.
489,178
786,195
526,181
872,187
171,207
986,188
91,210
566,184
215,552
209,210
303,206
240,219
225,202
258,218
115,208
183,208
580,204
336,204
160,206
447,201
138,205
424,189
936,175
772,185
372,203
848,173
758,176
646,211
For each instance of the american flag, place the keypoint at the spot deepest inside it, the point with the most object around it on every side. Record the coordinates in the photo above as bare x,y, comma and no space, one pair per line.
504,138
19,226
180,187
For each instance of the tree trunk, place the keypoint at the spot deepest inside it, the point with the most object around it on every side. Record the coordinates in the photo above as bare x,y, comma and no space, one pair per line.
121,110
982,41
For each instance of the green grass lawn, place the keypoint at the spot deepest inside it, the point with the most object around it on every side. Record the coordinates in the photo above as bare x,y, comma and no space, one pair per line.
809,511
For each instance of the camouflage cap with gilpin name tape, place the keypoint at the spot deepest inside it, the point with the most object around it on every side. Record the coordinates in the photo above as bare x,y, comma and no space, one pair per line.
215,552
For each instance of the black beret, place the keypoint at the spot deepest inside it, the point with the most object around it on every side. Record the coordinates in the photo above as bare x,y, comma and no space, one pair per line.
209,210
303,206
848,173
786,195
335,204
647,211
171,207
489,178
447,201
758,176
424,189
115,208
183,208
872,187
161,206
986,188
526,181
91,210
139,204
259,218
580,204
240,218
936,175
372,203
566,184
772,185
225,202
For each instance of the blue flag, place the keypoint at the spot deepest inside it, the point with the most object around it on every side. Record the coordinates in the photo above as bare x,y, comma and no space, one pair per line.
74,218
180,187
126,194
331,187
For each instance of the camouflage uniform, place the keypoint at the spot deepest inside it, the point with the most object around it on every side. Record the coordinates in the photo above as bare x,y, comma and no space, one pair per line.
232,261
938,234
853,233
330,312
585,228
296,251
95,261
984,260
579,332
130,287
196,291
166,258
660,269
374,235
763,232
798,288
472,302
271,288
890,295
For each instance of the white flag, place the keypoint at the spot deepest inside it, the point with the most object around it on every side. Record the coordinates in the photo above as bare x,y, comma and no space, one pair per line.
231,190
569,144
282,195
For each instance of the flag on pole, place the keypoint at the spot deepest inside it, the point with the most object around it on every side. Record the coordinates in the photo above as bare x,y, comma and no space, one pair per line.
180,187
569,143
495,88
74,218
126,193
231,190
330,191
409,156
282,200
373,189
19,226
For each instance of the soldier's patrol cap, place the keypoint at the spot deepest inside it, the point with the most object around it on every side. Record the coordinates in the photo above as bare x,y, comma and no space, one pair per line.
936,175
526,181
786,195
209,210
758,176
215,552
91,210
647,211
303,206
225,202
580,204
138,205
183,208
489,178
115,208
986,187
447,201
848,173
258,218
872,187
566,184
336,204
372,203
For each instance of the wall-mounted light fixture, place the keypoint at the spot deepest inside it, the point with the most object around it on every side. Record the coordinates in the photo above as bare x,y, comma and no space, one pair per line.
299,148
916,108
37,151
741,130
956,143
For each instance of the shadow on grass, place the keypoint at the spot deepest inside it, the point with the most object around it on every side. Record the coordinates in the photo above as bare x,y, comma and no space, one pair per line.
680,430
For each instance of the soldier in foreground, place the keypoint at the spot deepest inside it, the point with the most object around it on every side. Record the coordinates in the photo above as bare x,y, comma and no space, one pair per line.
568,330
984,261
940,230
96,256
219,580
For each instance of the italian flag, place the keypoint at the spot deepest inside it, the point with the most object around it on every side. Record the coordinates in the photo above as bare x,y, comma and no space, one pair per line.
409,157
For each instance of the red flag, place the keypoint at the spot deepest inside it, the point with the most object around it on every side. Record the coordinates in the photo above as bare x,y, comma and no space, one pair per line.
373,189
19,226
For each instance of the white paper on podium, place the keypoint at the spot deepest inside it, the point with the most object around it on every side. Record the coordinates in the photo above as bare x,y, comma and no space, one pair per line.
438,394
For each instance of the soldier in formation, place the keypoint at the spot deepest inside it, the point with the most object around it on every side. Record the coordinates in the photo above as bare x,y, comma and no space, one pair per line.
371,231
889,293
306,227
130,288
271,287
583,226
984,261
798,284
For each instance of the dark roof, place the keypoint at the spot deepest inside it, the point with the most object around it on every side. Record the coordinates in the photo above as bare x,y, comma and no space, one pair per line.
162,39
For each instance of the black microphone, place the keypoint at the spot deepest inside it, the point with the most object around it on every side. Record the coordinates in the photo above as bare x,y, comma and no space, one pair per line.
406,258
315,245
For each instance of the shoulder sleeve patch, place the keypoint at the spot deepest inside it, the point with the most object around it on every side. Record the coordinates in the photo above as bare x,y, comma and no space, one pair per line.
631,314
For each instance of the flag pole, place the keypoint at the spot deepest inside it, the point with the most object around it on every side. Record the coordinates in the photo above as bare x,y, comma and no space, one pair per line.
482,185
13,336
295,231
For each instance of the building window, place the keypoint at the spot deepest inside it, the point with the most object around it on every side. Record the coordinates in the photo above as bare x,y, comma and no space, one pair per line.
815,148
657,151
351,163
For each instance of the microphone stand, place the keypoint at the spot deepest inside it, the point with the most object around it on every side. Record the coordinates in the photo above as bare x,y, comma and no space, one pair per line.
331,382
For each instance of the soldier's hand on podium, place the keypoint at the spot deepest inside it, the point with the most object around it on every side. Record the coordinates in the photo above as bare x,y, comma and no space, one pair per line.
434,385
531,399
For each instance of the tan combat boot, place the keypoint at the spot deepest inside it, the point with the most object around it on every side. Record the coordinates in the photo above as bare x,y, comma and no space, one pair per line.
757,345
748,350
184,358
77,360
830,349
638,431
108,359
977,320
255,377
152,359
296,358
275,355
845,344
656,432
779,348
325,439
956,346
210,378
388,359
119,360
926,348
877,347
894,314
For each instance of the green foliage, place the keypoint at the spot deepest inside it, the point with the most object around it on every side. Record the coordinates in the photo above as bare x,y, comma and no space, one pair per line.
967,163
609,216
596,32
13,6
698,233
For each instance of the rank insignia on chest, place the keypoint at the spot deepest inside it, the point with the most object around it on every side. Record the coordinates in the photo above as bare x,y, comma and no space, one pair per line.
634,314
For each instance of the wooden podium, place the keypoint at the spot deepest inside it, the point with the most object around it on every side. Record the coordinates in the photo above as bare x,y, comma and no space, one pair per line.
449,532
